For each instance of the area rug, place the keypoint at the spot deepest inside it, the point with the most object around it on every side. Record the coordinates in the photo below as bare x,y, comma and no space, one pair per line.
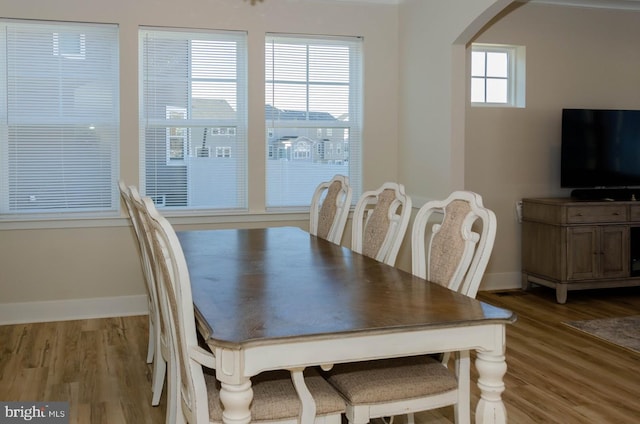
623,331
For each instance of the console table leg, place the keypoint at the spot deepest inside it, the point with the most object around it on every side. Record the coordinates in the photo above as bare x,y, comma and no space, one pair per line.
561,293
491,369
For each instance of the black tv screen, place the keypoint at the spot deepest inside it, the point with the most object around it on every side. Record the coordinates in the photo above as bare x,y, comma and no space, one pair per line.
600,148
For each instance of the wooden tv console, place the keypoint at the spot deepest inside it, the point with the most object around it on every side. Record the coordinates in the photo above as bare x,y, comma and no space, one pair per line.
570,244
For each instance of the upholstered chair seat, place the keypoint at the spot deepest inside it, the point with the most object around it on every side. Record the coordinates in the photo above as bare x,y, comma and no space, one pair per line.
275,397
405,378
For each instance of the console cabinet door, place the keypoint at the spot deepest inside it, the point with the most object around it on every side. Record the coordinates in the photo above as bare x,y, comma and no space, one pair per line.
614,254
597,251
583,252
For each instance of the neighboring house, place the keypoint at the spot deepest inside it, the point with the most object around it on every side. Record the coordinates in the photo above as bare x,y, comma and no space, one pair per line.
200,142
320,144
188,153
195,153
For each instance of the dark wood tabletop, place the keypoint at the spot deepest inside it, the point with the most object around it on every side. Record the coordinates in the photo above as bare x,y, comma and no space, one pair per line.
262,285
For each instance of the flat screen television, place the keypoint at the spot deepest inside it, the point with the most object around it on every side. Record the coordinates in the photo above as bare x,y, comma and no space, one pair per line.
600,148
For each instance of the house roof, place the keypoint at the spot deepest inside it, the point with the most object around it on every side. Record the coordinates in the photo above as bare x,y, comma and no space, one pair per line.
273,113
208,108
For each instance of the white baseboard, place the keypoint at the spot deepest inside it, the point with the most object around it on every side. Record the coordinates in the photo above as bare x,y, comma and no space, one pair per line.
501,281
72,309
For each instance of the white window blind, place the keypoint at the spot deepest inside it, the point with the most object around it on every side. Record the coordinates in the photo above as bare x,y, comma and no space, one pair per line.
313,115
193,119
59,118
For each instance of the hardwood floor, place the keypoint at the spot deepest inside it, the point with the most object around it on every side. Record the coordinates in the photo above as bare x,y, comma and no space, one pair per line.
97,365
555,373
558,374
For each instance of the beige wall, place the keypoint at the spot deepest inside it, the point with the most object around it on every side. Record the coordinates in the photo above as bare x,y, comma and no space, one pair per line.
575,57
433,75
96,258
432,71
413,124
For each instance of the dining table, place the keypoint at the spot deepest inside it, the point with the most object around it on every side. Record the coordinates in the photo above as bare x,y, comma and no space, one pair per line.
280,298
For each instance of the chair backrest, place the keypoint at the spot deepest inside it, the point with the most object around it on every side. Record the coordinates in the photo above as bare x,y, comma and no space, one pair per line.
330,208
380,222
142,235
452,254
126,199
176,305
139,213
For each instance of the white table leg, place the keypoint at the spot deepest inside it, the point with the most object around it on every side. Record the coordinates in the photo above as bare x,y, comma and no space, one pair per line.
236,399
491,368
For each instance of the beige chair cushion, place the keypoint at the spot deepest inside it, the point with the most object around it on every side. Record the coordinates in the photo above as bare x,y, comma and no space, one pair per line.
387,380
328,209
448,244
275,398
377,226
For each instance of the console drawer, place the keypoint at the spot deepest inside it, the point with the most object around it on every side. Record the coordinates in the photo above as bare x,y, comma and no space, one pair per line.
634,213
595,214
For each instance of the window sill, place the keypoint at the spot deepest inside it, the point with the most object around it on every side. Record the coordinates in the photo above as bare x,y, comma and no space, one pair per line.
497,105
227,220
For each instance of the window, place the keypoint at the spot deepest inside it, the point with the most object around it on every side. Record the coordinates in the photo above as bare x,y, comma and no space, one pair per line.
69,45
314,101
223,152
192,116
497,75
176,137
59,119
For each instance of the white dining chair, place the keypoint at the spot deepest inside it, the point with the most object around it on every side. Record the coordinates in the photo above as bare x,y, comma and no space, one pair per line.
329,209
453,255
279,397
162,356
131,199
380,221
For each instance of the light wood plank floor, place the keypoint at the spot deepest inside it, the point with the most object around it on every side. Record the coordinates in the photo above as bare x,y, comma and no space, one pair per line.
556,374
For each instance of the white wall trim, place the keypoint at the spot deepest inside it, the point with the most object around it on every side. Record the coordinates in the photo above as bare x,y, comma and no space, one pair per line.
72,309
597,4
501,281
393,2
418,201
175,217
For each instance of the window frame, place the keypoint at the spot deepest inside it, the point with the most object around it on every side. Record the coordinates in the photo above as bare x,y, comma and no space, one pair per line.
195,121
71,120
516,76
287,119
